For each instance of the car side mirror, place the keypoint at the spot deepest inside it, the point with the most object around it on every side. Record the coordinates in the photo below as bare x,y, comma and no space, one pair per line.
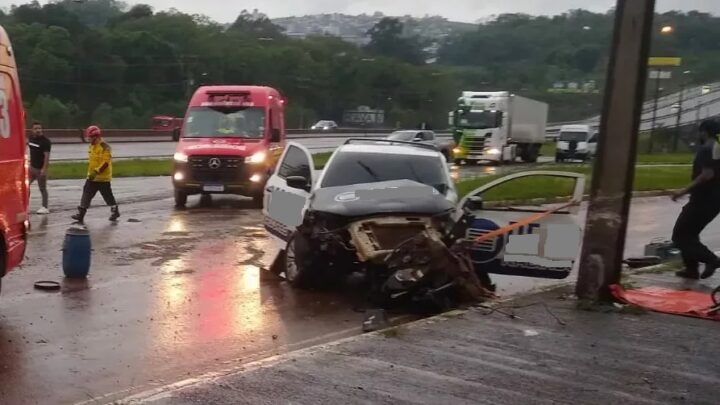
474,203
298,182
275,135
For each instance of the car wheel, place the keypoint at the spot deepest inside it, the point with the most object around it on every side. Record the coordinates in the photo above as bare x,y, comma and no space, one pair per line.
257,200
206,200
180,199
299,270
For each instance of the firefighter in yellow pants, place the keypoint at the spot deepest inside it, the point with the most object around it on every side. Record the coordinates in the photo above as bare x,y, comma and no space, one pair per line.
99,175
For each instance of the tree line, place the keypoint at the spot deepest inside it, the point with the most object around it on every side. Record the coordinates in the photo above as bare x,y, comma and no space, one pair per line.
101,61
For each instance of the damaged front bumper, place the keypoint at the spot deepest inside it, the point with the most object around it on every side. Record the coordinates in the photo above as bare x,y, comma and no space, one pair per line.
416,258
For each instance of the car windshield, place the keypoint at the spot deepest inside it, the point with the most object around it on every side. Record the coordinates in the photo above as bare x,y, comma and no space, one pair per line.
573,136
206,122
402,136
478,119
349,168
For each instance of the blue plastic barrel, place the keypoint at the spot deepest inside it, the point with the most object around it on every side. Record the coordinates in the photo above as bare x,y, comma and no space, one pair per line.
76,253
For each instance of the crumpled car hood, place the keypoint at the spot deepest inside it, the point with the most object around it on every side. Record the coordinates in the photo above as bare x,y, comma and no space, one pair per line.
396,197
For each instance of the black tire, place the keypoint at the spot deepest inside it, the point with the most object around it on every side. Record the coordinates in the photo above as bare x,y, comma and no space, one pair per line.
258,200
299,268
180,199
446,154
206,200
458,162
278,265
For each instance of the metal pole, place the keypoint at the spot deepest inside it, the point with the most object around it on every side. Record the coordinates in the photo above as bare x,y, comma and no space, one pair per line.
679,118
614,169
655,108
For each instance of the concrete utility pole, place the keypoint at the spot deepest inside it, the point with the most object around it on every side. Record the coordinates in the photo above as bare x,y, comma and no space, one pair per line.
614,169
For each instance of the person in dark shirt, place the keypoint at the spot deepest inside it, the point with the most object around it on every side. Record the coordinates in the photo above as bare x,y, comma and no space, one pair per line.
703,207
40,147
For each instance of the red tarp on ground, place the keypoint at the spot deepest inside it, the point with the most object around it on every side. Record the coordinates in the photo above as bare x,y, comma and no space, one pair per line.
687,303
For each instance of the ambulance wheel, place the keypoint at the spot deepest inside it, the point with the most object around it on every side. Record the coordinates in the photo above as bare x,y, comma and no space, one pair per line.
257,200
205,200
180,199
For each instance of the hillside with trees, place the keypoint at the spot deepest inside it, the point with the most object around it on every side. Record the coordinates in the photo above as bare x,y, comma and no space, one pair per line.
104,62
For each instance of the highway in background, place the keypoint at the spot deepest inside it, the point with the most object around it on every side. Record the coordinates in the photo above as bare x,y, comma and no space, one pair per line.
123,150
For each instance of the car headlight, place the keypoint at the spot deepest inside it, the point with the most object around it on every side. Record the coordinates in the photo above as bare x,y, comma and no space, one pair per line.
180,157
457,150
493,151
258,157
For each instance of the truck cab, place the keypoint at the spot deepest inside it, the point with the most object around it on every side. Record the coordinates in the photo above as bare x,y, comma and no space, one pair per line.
14,197
230,140
575,142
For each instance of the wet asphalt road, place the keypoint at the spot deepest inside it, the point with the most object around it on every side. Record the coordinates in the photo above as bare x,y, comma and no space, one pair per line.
175,294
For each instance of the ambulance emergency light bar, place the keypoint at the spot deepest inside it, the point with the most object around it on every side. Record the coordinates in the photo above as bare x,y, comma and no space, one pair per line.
228,99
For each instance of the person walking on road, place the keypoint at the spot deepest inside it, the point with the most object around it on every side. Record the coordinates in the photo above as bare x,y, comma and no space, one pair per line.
40,147
703,207
99,175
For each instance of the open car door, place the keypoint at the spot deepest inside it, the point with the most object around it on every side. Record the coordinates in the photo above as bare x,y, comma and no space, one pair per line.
547,248
287,191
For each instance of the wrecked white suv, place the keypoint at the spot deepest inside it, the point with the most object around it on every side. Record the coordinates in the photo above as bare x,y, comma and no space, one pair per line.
389,211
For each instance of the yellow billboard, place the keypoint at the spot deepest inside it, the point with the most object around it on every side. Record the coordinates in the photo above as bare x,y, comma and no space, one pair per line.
664,61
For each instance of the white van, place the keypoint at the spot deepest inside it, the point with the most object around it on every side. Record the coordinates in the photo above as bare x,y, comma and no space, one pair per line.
576,142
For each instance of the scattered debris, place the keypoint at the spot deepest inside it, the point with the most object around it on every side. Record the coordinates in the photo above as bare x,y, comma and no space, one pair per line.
531,332
376,319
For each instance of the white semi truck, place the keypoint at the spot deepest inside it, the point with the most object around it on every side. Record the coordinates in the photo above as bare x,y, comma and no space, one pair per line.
497,127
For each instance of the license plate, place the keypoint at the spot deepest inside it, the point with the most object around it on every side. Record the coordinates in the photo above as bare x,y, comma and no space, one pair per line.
214,188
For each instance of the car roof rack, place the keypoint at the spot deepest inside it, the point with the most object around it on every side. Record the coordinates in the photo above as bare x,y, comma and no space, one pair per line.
384,141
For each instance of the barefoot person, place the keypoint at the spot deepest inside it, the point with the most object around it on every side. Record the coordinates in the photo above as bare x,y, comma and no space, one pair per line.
99,175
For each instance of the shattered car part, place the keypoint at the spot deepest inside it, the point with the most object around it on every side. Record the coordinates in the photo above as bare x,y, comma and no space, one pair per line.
376,238
413,251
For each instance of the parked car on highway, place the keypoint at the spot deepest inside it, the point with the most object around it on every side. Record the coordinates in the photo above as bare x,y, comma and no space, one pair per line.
426,137
324,126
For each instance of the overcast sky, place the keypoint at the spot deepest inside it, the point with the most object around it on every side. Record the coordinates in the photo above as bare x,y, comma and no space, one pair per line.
459,10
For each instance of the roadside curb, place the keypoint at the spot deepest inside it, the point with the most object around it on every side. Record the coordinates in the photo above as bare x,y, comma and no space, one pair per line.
166,391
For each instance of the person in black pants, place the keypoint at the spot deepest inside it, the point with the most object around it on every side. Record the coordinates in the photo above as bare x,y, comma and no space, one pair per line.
40,147
99,176
703,207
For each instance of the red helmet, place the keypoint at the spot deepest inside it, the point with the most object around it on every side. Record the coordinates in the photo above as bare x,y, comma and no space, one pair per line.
93,131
